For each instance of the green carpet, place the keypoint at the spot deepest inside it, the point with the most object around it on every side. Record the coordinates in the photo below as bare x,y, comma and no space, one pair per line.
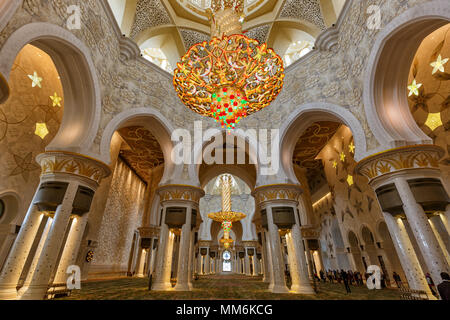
221,288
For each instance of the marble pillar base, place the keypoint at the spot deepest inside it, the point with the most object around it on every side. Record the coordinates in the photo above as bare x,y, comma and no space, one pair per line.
302,289
8,293
182,287
279,289
164,286
32,293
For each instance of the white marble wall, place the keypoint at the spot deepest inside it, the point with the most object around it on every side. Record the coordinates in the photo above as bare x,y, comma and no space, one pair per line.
123,215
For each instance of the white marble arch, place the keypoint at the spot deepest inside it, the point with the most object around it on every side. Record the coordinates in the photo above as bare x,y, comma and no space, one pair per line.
248,227
13,206
153,121
7,10
304,116
251,144
82,97
386,76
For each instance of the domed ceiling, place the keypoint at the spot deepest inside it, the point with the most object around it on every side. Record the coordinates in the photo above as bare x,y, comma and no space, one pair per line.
175,25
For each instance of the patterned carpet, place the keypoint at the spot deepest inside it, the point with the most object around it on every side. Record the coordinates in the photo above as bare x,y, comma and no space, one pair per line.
220,288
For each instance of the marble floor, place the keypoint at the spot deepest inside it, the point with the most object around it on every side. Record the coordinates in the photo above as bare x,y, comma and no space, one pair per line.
220,287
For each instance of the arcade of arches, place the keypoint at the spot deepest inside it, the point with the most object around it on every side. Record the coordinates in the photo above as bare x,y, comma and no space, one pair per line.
88,179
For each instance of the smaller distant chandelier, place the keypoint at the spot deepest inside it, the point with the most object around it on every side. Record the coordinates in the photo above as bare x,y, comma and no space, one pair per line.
231,76
226,216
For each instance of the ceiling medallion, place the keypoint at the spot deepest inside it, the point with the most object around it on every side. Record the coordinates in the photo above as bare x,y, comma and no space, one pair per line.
231,76
226,216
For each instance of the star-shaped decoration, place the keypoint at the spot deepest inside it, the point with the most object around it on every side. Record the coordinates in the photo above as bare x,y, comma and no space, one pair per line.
434,121
41,130
438,65
24,166
350,180
414,88
351,147
342,156
56,100
36,80
335,164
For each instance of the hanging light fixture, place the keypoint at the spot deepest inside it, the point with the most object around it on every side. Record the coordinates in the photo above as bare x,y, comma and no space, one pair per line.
226,216
231,76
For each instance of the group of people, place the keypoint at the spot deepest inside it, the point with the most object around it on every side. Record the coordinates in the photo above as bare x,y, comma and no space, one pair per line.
355,278
346,277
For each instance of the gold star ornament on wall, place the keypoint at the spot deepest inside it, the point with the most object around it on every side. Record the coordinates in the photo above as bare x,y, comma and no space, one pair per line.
335,164
438,65
434,121
414,88
56,100
41,130
350,180
351,147
342,156
36,80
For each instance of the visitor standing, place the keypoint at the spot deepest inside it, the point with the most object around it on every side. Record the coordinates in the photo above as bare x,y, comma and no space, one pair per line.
344,276
444,287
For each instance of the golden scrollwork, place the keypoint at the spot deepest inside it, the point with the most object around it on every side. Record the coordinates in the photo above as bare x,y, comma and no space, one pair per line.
71,163
180,192
277,192
310,232
149,232
419,156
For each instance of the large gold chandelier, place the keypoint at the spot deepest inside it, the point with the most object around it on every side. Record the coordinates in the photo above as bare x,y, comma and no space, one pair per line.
231,76
226,216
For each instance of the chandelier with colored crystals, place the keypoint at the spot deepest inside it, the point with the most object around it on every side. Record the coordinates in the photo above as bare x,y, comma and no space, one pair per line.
226,216
231,76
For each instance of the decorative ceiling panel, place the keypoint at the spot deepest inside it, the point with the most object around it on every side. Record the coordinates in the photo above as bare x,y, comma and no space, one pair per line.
312,142
308,10
259,33
191,37
145,152
149,13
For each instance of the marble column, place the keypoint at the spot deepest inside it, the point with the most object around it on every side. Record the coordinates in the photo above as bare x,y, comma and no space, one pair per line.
269,261
140,263
408,258
191,265
441,235
445,217
297,263
277,258
184,254
17,258
39,283
418,220
163,258
247,263
309,266
153,256
319,254
207,262
253,262
71,248
37,253
265,262
443,242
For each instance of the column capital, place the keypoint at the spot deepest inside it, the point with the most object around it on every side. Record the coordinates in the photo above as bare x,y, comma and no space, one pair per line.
310,232
65,163
277,193
149,232
399,159
204,243
178,192
250,244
